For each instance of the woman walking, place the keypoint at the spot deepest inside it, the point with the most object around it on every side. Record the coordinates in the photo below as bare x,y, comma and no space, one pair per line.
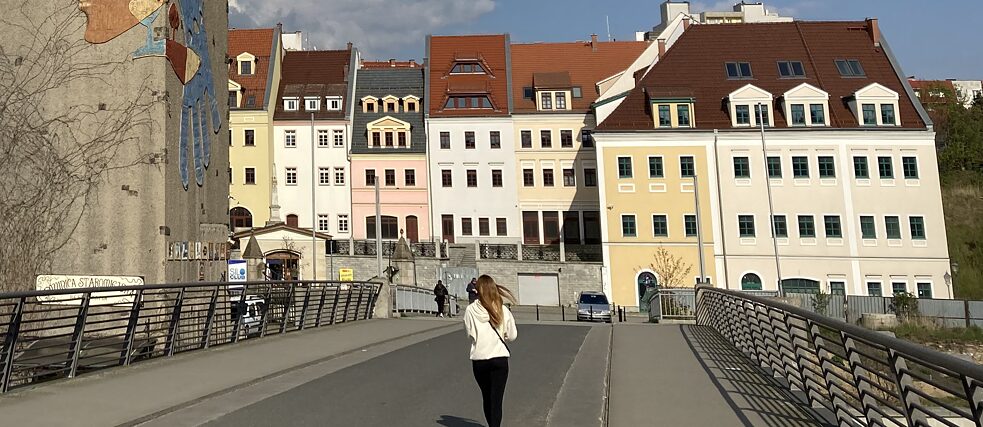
490,325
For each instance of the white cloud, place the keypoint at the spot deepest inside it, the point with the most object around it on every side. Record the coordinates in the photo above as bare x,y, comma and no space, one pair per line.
377,27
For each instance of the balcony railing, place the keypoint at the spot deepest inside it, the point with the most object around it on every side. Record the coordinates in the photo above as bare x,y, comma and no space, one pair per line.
541,252
583,253
493,251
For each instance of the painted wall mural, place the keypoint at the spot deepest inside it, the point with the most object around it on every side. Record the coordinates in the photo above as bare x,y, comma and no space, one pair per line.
107,19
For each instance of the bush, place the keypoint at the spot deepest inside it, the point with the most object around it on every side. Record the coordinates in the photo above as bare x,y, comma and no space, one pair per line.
820,303
905,306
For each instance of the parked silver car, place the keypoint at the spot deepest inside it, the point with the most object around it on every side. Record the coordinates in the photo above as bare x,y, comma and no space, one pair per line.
593,305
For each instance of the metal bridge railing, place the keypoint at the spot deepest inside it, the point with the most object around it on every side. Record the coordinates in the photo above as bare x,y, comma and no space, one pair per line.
861,376
56,334
412,299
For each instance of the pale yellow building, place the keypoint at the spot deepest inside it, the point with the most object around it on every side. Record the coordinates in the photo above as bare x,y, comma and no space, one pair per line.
254,76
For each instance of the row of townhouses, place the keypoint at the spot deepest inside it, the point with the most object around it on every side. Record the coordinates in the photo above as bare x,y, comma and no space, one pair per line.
758,151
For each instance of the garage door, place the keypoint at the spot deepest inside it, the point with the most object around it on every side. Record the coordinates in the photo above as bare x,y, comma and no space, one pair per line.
541,289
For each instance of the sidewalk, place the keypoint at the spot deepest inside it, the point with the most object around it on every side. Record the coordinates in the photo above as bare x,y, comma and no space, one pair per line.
122,395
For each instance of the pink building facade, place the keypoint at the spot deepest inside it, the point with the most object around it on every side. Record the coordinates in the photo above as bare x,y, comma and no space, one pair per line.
403,196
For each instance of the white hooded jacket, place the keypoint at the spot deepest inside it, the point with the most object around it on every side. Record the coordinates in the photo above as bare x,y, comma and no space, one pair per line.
485,344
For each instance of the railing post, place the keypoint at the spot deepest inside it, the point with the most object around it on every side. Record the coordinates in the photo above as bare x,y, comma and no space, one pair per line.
287,307
209,319
966,310
237,323
268,304
860,380
320,306
974,396
840,406
374,294
903,381
348,303
358,308
518,251
303,310
125,356
334,307
10,344
172,329
75,346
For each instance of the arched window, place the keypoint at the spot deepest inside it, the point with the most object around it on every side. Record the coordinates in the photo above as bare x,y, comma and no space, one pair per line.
292,220
750,282
412,229
800,286
239,217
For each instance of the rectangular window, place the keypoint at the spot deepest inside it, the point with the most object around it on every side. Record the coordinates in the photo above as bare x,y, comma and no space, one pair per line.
483,227
849,68
339,176
817,113
250,176
774,167
869,114
791,69
545,138
291,176
312,104
742,115
761,116
495,139
233,99
339,138
401,139
780,226
249,137
807,226
892,225
924,290
742,167
665,117
501,227
445,140
469,140
660,226
837,288
290,138
687,167
898,287
624,167
333,103
832,226
547,177
561,100
322,223
577,92
546,101
376,139
528,178
628,228
868,230
887,114
551,227
885,167
917,225
590,177
528,93
526,137
390,177
530,227
409,177
323,138
798,114
571,227
586,138
800,167
496,178
738,70
566,138
472,175
910,167
466,227
827,167
682,115
656,169
860,169
342,223
446,178
324,176
874,289
370,177
745,224
569,178
689,225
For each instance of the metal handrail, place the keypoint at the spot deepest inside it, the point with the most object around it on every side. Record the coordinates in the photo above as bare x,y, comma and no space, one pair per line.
425,304
84,329
862,376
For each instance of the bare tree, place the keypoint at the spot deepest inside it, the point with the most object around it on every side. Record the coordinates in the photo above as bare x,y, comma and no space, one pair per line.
54,155
671,269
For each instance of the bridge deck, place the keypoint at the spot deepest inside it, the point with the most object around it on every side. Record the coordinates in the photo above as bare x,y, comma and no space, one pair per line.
415,373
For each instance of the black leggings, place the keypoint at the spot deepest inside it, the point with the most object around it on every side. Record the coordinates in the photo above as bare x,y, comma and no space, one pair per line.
440,306
491,375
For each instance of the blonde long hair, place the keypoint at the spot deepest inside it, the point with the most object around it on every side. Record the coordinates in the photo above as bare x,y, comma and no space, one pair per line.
491,294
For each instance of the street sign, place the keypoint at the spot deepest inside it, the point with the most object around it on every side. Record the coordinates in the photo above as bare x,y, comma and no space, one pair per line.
346,274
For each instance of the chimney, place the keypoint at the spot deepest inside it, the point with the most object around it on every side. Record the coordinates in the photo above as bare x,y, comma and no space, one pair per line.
392,62
349,45
874,30
662,48
593,42
685,23
412,63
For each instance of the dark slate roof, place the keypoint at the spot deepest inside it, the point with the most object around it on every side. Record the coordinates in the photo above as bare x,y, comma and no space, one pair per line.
313,73
398,82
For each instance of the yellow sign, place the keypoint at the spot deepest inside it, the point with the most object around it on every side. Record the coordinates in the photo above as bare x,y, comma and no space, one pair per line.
346,274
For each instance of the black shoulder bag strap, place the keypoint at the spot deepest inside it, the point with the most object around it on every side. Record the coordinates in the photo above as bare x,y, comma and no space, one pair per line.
500,336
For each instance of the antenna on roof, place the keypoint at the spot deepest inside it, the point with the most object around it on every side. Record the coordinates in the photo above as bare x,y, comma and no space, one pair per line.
607,20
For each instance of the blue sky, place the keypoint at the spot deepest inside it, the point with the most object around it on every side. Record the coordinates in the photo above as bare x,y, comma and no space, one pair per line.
944,44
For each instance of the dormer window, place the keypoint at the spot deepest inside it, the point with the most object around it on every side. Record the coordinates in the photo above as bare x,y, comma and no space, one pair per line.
743,115
291,104
791,69
682,115
332,103
747,99
887,114
246,63
761,115
389,132
817,112
390,104
738,70
233,99
806,105
369,104
798,115
467,68
312,104
669,109
875,105
411,104
850,68
246,68
468,102
870,114
561,100
546,101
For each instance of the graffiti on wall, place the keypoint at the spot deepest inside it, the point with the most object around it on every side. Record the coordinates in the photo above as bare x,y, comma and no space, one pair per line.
108,19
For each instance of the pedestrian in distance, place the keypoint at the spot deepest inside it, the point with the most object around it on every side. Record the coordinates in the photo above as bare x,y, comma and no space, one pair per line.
440,295
490,325
472,290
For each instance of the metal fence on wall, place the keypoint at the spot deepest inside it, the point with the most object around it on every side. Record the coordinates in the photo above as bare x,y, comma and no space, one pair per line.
57,334
945,312
412,299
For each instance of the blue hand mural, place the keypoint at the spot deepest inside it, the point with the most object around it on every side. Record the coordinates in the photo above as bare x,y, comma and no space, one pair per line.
199,95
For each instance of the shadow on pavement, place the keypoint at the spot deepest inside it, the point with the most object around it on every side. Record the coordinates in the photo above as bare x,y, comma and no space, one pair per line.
452,421
755,396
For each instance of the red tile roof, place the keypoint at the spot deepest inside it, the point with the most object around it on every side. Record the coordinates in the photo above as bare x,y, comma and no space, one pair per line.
696,63
259,43
489,50
543,63
313,73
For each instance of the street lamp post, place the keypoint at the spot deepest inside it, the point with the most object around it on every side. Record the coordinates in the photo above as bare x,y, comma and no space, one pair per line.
771,204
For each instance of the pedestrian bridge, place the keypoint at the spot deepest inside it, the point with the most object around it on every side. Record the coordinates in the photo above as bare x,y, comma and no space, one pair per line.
311,354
